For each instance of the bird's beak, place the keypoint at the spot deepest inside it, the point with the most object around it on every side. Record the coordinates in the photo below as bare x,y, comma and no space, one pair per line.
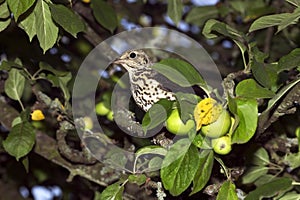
118,61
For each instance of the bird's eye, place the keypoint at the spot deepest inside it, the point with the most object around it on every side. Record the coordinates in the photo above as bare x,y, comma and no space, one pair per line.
132,55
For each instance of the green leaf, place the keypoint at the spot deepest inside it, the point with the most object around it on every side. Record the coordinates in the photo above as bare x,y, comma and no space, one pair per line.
243,50
264,179
290,196
201,142
138,179
223,10
179,72
67,19
297,133
253,173
40,23
289,20
18,7
49,68
247,111
97,196
186,103
179,166
62,83
113,192
25,115
116,157
4,24
227,192
257,156
25,162
5,65
265,74
175,9
14,85
293,160
259,56
289,61
4,11
152,149
46,30
199,15
263,118
250,89
294,2
280,94
257,8
154,164
281,20
212,26
233,109
240,6
16,121
270,189
204,170
104,14
20,140
152,152
268,21
157,114
29,25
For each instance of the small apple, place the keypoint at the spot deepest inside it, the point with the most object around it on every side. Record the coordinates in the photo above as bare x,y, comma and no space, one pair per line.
38,125
222,145
176,126
88,122
219,127
110,116
101,109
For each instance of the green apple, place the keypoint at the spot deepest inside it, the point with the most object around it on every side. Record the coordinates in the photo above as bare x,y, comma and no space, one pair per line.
38,125
222,145
219,127
88,123
110,116
176,126
101,109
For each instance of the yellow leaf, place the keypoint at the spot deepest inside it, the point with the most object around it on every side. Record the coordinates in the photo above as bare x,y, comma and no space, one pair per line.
207,111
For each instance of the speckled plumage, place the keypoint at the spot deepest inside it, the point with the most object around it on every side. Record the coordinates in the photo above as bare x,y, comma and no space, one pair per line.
145,86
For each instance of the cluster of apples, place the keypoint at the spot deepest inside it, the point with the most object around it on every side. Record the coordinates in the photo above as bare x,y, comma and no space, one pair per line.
219,132
103,107
103,110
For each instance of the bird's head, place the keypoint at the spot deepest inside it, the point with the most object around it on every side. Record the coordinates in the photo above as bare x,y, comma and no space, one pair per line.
133,59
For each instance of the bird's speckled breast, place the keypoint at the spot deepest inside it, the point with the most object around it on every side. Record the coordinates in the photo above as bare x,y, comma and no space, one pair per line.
146,90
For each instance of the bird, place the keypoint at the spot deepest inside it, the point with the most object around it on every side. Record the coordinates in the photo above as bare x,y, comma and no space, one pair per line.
146,84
